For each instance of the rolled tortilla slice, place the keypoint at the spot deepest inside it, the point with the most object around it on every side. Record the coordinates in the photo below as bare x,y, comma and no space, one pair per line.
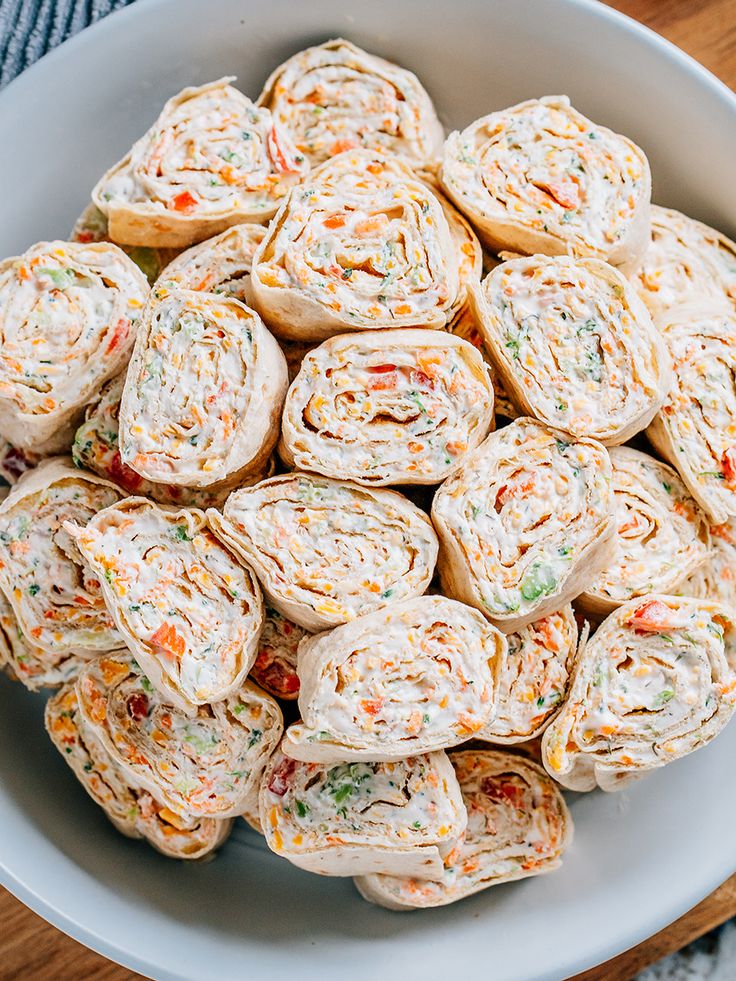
203,393
662,534
336,97
211,160
574,345
326,551
362,244
541,178
218,265
275,665
14,462
133,812
716,578
536,678
56,598
656,681
358,818
91,226
518,826
96,447
186,607
419,676
205,766
686,262
395,407
695,430
526,523
68,315
32,666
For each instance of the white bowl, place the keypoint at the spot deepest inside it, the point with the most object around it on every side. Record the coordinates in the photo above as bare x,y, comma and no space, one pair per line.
640,858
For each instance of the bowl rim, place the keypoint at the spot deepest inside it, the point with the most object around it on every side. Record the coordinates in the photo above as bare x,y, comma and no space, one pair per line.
42,71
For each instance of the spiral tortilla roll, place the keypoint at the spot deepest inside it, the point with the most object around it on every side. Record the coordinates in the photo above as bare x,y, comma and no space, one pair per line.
518,826
716,578
662,536
357,818
202,766
526,523
91,226
275,664
395,407
32,666
686,262
361,244
326,551
133,812
211,160
189,611
218,265
419,676
541,178
203,392
656,681
535,679
96,447
573,345
55,597
68,315
337,97
695,430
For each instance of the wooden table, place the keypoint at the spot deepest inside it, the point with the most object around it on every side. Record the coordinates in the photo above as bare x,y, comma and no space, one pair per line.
32,949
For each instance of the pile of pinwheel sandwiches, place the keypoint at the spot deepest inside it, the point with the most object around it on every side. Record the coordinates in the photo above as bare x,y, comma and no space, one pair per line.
432,439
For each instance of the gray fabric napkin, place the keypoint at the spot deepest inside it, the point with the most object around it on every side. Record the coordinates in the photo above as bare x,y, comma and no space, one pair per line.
30,28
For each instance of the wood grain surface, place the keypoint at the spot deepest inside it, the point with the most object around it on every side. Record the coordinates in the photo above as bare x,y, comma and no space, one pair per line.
32,950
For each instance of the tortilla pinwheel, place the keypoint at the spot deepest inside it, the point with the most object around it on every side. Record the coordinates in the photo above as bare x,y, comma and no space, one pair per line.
662,535
391,407
357,818
68,316
526,523
211,160
326,551
56,599
695,430
186,607
656,681
535,679
418,676
362,244
541,178
686,262
202,766
518,826
135,813
574,345
337,97
203,392
96,447
32,666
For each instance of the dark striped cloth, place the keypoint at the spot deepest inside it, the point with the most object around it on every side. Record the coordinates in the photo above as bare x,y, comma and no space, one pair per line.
30,28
